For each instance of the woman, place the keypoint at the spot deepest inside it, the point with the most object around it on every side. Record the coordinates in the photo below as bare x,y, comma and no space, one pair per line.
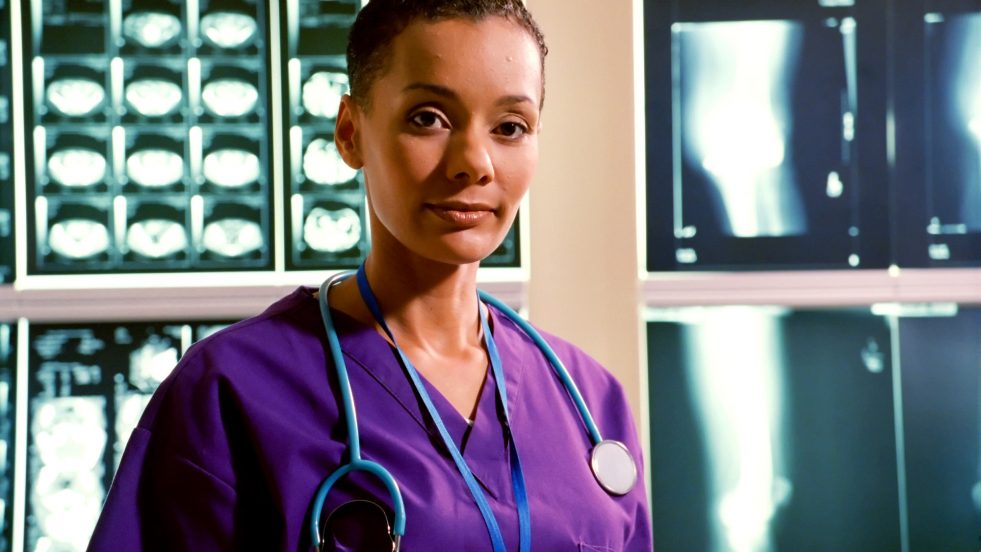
443,118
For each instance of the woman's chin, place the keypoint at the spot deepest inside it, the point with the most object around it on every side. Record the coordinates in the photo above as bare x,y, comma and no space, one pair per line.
460,254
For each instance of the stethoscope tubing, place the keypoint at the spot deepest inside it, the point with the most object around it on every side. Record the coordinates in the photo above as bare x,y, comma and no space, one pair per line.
557,366
347,397
356,463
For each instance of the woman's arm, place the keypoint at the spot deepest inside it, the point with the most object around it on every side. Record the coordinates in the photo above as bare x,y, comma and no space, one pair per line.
161,501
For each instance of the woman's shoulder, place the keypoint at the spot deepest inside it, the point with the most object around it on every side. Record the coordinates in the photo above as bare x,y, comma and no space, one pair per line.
288,315
248,358
603,393
586,371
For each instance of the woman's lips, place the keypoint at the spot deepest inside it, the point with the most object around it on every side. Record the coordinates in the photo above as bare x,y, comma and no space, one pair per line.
463,215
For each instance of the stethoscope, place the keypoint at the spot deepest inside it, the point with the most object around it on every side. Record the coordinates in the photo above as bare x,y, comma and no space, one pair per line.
610,461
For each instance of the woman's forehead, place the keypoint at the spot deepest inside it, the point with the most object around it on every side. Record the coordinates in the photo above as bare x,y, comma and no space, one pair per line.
493,53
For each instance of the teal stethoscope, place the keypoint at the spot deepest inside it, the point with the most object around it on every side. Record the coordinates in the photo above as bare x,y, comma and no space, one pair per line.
610,461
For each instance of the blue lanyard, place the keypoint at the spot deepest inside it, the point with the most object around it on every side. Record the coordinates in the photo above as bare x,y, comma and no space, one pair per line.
517,475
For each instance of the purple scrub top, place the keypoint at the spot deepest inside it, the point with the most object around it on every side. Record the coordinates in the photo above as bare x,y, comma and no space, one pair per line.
232,446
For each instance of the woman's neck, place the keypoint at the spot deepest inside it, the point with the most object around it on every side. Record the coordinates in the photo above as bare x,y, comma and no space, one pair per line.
430,307
427,305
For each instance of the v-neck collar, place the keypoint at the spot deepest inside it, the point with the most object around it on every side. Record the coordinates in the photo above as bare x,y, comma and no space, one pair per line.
486,451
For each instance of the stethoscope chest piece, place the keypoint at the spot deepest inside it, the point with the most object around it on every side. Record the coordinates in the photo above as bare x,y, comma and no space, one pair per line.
613,467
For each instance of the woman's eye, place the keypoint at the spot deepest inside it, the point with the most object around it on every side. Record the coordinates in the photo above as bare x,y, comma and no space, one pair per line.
512,130
425,119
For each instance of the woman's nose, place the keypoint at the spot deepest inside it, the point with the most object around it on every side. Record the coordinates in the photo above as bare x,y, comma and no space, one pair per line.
469,158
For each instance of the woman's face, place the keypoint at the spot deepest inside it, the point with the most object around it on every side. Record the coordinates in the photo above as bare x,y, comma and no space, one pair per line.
449,142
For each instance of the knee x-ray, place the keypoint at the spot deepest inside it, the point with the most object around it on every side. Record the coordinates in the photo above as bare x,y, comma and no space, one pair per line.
954,124
939,157
735,90
779,429
832,134
754,137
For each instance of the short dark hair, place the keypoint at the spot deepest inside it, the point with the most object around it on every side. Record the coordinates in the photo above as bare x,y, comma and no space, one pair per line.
381,21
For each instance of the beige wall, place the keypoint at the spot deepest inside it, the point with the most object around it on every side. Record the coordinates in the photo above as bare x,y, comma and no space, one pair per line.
584,263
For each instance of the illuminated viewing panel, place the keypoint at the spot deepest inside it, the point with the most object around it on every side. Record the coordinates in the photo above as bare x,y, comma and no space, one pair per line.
772,427
734,93
8,361
87,389
150,129
939,136
800,136
326,213
955,94
757,124
6,151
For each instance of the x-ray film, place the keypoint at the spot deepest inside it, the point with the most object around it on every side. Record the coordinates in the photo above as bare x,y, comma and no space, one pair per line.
327,220
6,153
144,118
737,122
941,391
760,165
771,428
8,360
938,173
88,387
327,217
848,429
954,111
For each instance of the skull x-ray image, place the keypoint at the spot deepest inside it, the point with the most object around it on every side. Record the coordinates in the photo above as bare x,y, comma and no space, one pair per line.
151,29
326,220
138,105
6,152
153,97
229,97
228,29
231,168
75,97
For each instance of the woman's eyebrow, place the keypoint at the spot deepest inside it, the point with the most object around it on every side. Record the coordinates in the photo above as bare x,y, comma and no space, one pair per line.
434,88
514,99
445,92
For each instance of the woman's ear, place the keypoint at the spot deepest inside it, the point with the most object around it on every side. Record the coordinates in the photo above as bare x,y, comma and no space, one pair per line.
346,135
